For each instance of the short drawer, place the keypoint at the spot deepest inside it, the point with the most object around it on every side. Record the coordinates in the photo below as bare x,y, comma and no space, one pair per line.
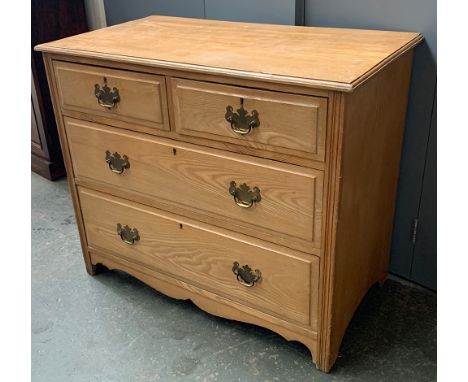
280,283
258,197
273,121
121,95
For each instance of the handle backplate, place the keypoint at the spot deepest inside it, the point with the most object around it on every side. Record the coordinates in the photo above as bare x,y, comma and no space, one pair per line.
243,195
127,235
245,275
242,122
116,162
105,96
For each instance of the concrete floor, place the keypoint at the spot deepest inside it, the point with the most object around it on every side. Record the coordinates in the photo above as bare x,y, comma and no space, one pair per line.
114,328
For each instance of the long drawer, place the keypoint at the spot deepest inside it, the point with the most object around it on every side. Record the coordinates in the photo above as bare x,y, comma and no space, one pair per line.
276,282
133,97
274,121
244,194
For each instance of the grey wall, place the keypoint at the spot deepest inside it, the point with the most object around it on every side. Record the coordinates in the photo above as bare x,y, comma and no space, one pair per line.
119,11
405,15
424,266
260,11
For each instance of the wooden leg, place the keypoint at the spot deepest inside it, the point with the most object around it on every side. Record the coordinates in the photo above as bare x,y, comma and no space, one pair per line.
327,360
95,269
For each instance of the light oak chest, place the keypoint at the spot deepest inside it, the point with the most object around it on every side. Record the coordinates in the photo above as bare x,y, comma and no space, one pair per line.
249,168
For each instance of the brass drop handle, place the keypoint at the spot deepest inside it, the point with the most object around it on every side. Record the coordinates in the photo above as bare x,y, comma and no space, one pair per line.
245,275
117,163
242,122
127,235
243,195
105,97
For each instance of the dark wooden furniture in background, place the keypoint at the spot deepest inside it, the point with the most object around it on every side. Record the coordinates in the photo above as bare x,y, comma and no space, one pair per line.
50,20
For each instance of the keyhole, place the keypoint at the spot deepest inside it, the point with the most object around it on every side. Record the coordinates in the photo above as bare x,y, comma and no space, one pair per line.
181,226
174,151
242,102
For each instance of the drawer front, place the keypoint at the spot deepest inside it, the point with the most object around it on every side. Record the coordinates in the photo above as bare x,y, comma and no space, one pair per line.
274,121
123,95
284,199
197,255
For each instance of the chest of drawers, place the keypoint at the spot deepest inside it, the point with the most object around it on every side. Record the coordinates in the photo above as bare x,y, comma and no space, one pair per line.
249,168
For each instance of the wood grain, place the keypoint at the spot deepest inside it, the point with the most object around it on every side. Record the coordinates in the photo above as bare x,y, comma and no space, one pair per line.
332,192
332,197
199,180
372,132
209,301
256,151
202,256
288,122
68,162
333,58
142,96
220,78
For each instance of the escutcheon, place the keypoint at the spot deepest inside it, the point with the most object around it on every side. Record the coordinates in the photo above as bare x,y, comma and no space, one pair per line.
243,195
242,122
117,163
106,97
127,235
245,275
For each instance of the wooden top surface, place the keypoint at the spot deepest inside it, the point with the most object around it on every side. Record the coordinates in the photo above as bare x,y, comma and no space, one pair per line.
330,58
